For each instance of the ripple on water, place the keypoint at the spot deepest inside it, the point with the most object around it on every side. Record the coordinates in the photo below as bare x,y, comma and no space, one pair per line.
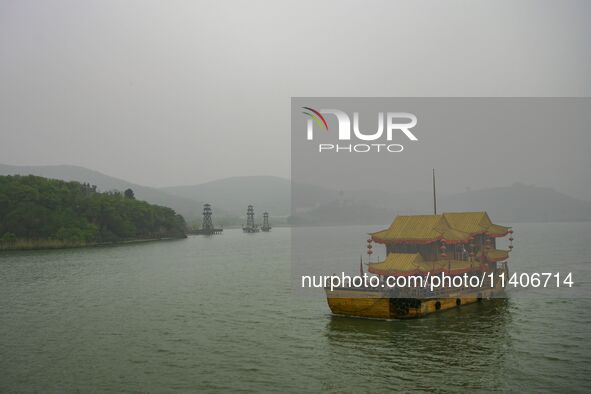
198,315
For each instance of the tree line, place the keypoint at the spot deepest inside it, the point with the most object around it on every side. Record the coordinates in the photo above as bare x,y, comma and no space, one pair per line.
37,208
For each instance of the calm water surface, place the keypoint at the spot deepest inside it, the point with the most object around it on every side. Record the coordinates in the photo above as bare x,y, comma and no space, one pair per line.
217,314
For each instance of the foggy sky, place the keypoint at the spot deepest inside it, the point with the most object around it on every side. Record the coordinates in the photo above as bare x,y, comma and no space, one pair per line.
180,92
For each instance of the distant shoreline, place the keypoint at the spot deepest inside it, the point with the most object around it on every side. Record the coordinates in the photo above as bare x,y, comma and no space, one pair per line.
49,244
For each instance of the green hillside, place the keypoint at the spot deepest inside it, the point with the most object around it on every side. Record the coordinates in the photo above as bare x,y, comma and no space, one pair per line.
190,209
37,212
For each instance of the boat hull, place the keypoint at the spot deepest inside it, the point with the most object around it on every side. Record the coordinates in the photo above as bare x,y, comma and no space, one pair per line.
368,303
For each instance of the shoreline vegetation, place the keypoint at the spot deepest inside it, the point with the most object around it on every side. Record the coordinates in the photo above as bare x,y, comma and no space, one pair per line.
41,213
48,244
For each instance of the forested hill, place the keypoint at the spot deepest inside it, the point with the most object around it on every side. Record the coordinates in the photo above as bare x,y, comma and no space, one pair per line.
41,212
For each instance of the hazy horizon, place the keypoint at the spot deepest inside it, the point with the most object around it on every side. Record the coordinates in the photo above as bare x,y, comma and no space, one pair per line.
166,94
424,191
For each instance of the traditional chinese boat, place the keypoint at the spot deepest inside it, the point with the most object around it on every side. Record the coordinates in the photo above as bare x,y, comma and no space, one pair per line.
453,244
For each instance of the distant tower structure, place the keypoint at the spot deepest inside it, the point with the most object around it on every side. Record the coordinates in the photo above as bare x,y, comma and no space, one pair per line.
207,224
266,226
207,227
250,216
250,226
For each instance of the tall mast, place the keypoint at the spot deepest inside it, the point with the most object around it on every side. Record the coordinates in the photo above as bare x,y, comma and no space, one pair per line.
434,195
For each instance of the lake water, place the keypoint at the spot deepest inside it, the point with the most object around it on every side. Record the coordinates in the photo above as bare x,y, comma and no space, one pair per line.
217,314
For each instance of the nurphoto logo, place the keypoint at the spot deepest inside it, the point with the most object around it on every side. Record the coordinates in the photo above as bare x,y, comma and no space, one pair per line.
397,123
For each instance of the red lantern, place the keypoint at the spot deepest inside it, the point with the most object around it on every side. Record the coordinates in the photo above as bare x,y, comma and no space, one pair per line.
511,239
369,240
444,255
369,251
510,231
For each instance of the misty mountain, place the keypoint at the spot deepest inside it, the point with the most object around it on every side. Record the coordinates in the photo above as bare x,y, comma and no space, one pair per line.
186,207
230,196
234,194
266,193
520,203
343,212
510,204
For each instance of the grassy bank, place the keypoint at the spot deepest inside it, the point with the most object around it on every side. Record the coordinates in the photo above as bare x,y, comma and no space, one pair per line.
39,244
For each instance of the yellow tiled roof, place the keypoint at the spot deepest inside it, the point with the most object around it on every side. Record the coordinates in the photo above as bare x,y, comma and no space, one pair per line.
451,226
397,262
419,227
469,222
497,230
474,223
401,263
497,255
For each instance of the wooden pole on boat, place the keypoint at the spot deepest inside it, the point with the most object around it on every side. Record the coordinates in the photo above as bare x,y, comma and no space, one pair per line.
434,195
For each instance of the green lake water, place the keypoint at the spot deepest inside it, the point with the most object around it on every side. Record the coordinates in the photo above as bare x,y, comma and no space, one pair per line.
217,314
